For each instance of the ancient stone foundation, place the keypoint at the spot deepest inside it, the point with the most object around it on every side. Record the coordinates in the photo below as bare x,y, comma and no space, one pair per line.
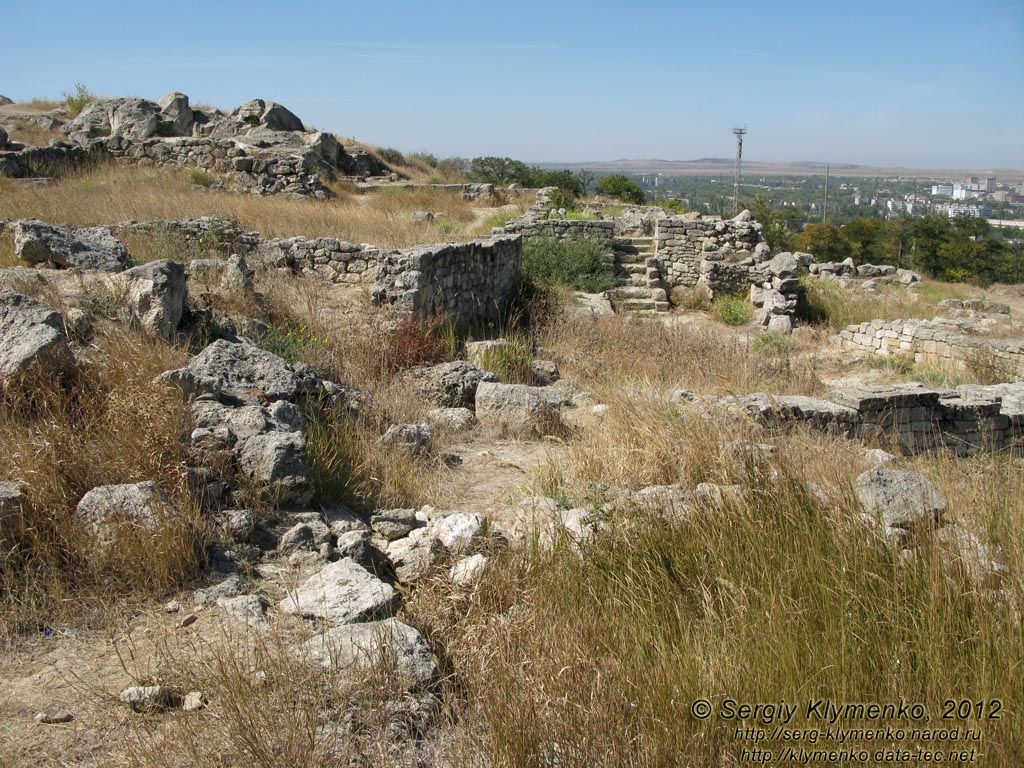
718,253
937,342
602,232
469,282
965,420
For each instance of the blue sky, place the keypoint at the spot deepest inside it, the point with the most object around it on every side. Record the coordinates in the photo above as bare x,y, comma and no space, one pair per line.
918,84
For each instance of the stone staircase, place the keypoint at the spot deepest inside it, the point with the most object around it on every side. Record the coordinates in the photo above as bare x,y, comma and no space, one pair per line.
639,277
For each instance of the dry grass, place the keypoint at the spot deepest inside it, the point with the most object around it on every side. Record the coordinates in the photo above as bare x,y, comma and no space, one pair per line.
592,654
828,303
620,351
110,194
32,135
7,257
110,425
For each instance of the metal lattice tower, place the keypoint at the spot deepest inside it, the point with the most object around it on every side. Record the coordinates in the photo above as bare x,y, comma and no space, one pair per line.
739,133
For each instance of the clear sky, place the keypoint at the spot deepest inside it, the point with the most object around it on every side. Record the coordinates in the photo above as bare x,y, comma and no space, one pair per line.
920,84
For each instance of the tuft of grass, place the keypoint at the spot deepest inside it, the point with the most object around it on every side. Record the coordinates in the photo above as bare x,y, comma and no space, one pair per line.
7,257
77,99
350,466
591,653
511,363
732,310
618,351
772,343
199,177
578,263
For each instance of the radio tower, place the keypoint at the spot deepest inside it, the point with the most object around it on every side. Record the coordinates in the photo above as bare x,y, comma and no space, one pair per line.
739,133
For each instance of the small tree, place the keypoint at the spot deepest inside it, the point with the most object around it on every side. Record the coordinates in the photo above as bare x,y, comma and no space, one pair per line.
621,188
824,241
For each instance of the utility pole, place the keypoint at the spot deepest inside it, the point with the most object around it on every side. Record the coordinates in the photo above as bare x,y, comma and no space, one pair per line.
824,208
739,133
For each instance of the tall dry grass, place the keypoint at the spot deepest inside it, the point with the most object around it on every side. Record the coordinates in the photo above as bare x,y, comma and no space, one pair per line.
110,424
825,302
620,351
109,194
591,654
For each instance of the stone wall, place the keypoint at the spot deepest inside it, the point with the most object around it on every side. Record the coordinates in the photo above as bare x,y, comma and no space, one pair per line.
260,171
53,161
602,232
936,341
331,259
469,282
967,420
212,234
466,191
694,249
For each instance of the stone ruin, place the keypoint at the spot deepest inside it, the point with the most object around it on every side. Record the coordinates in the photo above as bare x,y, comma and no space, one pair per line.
260,147
952,344
966,420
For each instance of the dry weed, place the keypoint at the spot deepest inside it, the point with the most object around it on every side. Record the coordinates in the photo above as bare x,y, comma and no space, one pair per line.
109,194
111,424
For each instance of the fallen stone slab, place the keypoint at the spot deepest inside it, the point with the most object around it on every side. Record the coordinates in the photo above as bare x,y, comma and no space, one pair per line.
151,698
519,409
31,335
249,371
388,645
900,499
342,593
415,555
113,510
155,295
460,532
450,385
83,248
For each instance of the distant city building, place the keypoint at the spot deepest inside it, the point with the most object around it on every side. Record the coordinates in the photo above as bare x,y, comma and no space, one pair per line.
963,192
968,209
943,190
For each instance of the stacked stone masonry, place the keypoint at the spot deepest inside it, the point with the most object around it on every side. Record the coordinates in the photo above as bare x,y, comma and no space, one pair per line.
722,254
937,342
468,282
967,420
602,232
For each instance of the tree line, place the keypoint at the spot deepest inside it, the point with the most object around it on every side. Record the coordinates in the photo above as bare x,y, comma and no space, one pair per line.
957,250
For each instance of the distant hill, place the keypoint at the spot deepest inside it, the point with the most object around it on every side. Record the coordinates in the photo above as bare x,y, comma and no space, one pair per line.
713,166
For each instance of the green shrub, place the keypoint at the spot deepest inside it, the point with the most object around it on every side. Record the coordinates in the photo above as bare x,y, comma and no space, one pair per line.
732,310
578,263
577,215
391,156
77,99
511,363
671,205
448,226
291,344
561,198
772,343
621,188
200,177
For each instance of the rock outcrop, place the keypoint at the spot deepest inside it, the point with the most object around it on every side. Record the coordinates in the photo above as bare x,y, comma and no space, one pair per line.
31,335
84,248
111,511
342,593
518,409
